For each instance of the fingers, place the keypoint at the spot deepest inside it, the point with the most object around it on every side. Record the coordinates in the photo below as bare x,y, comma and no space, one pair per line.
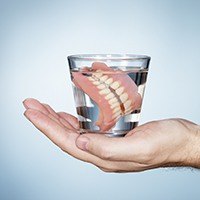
107,148
50,110
36,105
70,118
63,138
54,131
57,116
48,126
46,109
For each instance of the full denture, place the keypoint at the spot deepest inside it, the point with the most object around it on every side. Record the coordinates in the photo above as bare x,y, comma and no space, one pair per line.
115,93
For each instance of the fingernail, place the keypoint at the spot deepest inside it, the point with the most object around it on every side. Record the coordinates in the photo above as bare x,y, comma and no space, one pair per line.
82,142
24,102
25,106
26,113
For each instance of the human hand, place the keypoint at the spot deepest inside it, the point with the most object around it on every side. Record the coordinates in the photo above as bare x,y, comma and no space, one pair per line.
171,142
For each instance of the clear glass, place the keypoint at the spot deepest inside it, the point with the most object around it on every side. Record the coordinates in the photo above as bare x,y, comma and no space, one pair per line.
108,91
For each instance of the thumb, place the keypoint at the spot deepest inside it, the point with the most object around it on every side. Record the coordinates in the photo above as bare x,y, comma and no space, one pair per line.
108,148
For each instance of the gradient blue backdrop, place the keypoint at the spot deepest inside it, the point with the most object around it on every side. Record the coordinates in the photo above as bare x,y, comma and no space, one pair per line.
35,38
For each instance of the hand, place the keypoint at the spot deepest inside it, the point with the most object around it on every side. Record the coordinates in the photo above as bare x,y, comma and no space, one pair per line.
171,142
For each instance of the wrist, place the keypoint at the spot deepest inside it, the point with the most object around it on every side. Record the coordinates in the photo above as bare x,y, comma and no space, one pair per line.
185,146
193,149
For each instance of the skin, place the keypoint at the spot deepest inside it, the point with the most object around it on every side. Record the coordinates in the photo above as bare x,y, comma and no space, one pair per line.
163,143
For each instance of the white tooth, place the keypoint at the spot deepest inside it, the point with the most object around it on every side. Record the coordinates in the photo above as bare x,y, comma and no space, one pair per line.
109,96
127,104
109,81
116,109
96,83
103,78
117,114
90,79
113,100
123,97
115,85
116,104
101,86
104,91
120,90
98,74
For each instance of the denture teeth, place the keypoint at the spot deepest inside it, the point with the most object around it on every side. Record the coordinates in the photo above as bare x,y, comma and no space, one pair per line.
90,79
120,90
96,83
101,86
115,85
117,114
109,81
109,96
103,78
123,97
113,100
98,74
115,105
127,104
116,109
104,91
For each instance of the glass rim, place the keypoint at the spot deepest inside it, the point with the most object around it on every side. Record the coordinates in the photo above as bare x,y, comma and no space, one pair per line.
114,57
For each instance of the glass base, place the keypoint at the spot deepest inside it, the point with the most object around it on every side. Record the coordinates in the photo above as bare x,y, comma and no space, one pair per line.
109,134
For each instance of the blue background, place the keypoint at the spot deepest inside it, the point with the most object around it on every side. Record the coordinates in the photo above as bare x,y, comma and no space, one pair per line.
35,38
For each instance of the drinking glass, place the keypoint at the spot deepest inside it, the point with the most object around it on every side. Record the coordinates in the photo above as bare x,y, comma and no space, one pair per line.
108,91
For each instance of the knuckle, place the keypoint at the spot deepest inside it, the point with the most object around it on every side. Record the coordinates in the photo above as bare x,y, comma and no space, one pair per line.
36,115
105,153
48,123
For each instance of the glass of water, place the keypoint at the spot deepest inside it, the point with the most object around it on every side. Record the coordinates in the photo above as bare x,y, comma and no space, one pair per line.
108,91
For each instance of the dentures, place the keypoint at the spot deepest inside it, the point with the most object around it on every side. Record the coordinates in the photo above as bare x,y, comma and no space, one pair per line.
115,93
